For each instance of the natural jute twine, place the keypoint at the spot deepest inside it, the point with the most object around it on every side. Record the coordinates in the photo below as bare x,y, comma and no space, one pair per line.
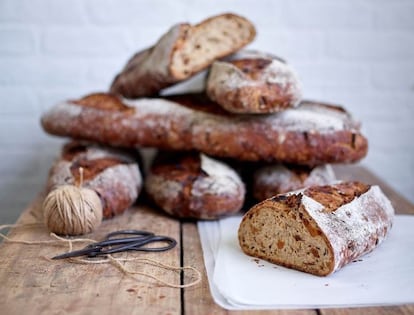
110,259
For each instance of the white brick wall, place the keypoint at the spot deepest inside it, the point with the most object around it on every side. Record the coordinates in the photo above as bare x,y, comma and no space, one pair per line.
359,53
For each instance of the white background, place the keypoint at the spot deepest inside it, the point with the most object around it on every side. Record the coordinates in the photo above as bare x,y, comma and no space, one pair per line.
356,53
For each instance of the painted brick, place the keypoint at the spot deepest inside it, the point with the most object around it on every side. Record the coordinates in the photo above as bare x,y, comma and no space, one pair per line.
133,12
394,15
291,45
17,41
16,100
327,74
370,45
24,131
43,12
326,15
85,42
38,72
396,75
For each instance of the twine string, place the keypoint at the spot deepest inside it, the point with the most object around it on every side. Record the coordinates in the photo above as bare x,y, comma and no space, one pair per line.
114,261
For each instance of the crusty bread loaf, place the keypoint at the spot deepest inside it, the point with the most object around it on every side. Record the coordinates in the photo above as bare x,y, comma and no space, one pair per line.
253,83
275,179
193,185
183,51
311,134
318,230
113,174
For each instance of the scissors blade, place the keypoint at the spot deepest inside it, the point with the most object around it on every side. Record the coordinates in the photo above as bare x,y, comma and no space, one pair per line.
76,253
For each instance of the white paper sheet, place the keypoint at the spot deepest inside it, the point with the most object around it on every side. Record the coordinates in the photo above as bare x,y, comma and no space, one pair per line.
237,281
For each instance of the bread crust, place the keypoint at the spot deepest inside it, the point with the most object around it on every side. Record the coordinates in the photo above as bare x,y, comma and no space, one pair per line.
192,185
318,230
312,134
168,61
254,85
113,174
275,179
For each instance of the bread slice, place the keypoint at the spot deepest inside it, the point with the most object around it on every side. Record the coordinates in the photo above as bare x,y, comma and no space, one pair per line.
182,52
318,230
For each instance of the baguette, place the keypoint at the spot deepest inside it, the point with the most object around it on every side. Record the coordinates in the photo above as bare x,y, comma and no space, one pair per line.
113,174
253,83
192,185
318,230
312,134
272,180
182,52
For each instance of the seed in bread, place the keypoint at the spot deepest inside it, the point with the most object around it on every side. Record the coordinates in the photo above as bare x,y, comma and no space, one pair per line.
311,134
193,185
275,179
253,84
318,230
113,174
182,52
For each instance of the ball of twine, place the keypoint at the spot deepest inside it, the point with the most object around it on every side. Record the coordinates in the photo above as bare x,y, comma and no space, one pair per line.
72,210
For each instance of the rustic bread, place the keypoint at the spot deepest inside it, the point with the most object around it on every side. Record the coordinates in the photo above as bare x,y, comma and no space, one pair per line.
318,230
113,174
193,185
275,179
253,83
183,51
311,134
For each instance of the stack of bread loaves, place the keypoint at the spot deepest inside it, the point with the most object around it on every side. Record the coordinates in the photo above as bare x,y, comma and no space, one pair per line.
250,110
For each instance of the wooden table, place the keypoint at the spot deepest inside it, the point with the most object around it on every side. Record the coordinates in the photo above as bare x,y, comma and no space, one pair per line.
32,284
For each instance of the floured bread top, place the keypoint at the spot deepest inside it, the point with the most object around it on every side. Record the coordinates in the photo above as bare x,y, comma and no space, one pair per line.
349,214
221,179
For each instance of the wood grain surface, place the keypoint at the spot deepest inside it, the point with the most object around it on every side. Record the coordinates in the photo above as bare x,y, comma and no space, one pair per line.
32,284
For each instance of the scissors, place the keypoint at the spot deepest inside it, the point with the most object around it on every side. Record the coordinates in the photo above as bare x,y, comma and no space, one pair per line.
113,244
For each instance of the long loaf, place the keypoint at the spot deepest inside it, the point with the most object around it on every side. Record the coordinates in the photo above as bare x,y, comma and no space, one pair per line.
311,134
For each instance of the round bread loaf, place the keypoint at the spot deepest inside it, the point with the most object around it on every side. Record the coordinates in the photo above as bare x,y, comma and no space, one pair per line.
317,230
113,174
193,185
253,84
272,180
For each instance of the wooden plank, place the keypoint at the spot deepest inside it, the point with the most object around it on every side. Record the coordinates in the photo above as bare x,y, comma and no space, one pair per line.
34,285
197,299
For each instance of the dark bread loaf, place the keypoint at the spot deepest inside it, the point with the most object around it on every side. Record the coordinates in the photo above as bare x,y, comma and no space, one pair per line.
311,134
193,185
182,52
272,180
253,83
113,174
318,230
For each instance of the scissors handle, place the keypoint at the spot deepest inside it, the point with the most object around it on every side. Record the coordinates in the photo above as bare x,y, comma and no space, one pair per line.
138,246
115,245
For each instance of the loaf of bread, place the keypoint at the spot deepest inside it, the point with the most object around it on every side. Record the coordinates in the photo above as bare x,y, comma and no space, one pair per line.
113,174
318,230
272,180
253,83
180,53
311,134
193,185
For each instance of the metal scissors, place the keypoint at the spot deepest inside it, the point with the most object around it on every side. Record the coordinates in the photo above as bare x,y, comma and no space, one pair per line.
113,244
